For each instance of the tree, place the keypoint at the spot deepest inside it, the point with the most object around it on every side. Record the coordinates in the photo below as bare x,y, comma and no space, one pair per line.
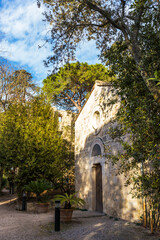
22,87
139,118
15,85
5,81
31,144
134,22
70,86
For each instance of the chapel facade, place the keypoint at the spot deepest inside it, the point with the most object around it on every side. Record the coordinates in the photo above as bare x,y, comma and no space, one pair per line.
96,179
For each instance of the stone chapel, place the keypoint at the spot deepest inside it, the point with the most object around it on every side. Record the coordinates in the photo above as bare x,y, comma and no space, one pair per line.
96,180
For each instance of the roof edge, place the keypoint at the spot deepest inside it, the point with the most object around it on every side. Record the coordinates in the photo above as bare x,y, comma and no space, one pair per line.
98,83
101,83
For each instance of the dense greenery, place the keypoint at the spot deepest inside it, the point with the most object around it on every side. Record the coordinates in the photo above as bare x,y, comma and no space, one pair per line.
31,144
38,187
16,86
139,115
71,85
4,183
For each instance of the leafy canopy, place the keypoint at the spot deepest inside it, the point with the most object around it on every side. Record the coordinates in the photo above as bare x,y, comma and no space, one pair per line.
70,86
136,23
30,141
138,118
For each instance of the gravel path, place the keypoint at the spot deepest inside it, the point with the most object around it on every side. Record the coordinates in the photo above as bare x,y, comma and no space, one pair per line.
16,225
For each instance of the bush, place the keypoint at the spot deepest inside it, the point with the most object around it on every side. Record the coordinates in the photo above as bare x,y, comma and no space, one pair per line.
38,187
4,183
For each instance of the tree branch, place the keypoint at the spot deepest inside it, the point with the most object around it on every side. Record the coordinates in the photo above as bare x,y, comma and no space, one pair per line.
104,13
75,104
123,7
92,24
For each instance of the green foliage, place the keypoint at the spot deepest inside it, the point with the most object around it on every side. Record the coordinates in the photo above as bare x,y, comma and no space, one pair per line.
38,187
156,77
139,119
30,143
69,200
136,23
71,85
4,183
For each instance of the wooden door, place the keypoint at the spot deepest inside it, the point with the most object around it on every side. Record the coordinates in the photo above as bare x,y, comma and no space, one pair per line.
99,201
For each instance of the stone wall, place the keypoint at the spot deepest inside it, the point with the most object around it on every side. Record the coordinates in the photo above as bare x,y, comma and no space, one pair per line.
67,123
91,135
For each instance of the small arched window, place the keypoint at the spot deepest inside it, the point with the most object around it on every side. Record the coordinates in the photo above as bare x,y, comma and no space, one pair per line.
96,119
96,151
60,118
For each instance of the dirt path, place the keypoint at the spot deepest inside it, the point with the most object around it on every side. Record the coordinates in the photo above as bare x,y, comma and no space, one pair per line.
17,225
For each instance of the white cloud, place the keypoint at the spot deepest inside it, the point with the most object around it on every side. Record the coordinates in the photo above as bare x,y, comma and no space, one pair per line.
18,18
23,30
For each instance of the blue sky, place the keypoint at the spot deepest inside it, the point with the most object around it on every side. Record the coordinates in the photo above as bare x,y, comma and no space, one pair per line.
22,31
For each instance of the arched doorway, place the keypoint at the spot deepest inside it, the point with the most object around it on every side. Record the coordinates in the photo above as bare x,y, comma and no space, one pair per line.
97,201
96,161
